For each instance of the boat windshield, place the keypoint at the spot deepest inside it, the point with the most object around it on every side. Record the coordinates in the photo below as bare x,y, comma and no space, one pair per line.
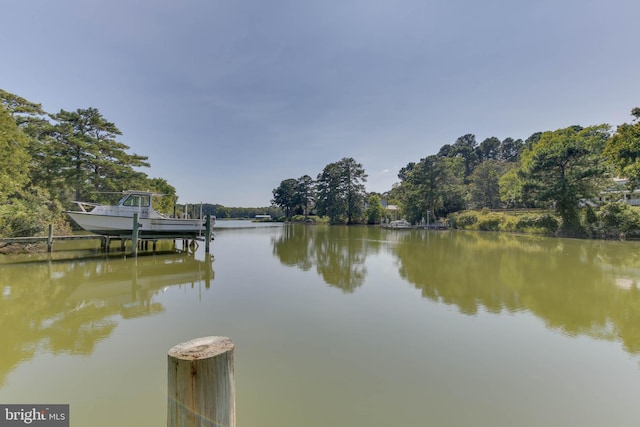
137,200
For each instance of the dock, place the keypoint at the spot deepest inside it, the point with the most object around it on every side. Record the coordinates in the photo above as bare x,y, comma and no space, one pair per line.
137,241
404,225
50,239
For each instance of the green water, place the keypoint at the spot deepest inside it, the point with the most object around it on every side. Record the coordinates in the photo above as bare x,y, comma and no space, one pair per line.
337,326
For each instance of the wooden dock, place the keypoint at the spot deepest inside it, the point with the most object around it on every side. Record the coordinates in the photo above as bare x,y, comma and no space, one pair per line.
50,238
105,241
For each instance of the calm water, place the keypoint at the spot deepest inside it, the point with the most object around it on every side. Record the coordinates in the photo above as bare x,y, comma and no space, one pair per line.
337,326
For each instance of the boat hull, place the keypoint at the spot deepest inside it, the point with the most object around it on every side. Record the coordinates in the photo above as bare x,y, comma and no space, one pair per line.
110,225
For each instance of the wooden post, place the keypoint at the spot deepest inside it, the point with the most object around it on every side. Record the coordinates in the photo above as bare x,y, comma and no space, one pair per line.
104,243
209,274
201,385
134,236
207,234
50,238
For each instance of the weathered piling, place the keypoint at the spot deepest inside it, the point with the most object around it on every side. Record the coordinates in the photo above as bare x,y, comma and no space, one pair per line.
50,239
207,234
134,236
201,384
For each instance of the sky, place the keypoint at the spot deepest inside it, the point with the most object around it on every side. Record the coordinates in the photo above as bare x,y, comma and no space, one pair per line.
228,98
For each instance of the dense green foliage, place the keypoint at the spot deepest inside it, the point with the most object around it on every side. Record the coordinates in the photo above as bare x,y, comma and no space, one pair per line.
562,171
375,210
87,155
564,167
623,150
433,186
49,160
286,196
520,222
338,193
341,192
484,184
295,196
461,176
612,220
566,171
14,157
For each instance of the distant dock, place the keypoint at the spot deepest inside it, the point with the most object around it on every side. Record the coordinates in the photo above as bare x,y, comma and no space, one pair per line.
405,225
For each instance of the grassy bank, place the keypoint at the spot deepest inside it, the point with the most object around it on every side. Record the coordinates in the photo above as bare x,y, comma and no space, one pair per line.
613,220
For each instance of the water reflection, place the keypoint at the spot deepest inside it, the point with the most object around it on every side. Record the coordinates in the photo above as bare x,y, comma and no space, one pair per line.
578,287
572,285
338,253
69,307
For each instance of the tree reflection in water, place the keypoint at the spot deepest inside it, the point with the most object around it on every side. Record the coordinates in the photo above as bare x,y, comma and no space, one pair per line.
576,286
69,307
337,252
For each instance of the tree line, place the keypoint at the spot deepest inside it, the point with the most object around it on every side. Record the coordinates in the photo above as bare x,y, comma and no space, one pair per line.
562,171
47,160
338,193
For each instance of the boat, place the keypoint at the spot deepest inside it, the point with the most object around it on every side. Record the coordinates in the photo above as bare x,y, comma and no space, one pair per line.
399,224
438,225
117,220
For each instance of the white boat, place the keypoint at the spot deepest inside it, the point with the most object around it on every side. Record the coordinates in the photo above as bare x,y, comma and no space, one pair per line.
398,224
117,220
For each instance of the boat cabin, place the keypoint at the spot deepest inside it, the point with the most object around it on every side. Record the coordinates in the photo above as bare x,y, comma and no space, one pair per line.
133,201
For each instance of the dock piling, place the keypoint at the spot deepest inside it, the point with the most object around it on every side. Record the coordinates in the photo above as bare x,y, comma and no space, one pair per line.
50,239
134,236
201,383
207,234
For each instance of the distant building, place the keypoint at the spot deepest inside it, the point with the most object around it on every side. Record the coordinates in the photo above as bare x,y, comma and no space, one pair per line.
619,192
263,216
392,211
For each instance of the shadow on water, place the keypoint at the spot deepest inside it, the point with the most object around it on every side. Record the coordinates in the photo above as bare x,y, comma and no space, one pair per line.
579,287
57,306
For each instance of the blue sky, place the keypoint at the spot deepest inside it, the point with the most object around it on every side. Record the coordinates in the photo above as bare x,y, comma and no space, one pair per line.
230,97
